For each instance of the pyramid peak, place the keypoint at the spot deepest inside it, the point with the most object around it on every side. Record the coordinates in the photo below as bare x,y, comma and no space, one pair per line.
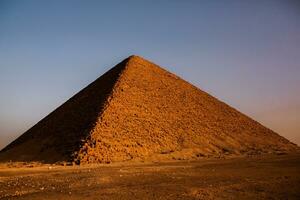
136,58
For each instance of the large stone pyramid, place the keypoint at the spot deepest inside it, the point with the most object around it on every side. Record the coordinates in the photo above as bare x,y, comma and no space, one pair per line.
138,110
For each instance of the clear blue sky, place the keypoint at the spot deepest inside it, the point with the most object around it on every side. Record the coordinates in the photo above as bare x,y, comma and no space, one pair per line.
246,53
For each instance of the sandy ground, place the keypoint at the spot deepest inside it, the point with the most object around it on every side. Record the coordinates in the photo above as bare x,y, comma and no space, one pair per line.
269,177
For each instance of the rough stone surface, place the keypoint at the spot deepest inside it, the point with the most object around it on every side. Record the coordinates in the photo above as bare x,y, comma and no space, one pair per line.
138,110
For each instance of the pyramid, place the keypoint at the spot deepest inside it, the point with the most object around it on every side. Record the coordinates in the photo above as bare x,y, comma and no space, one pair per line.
137,110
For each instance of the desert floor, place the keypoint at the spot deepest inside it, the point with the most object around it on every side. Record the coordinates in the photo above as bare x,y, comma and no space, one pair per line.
268,177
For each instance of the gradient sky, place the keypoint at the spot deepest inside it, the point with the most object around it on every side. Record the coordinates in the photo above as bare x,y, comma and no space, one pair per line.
246,53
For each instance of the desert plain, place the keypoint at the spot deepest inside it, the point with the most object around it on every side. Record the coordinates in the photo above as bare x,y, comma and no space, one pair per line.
256,177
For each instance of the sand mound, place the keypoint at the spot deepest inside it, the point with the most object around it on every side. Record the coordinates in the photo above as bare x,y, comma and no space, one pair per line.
138,110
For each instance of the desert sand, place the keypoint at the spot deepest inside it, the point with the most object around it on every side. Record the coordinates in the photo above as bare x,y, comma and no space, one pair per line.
263,177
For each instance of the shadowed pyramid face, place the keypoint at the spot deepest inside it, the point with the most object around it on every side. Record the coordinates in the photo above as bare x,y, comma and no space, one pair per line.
138,110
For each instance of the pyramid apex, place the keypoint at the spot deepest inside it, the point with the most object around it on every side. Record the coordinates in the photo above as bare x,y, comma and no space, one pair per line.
135,58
